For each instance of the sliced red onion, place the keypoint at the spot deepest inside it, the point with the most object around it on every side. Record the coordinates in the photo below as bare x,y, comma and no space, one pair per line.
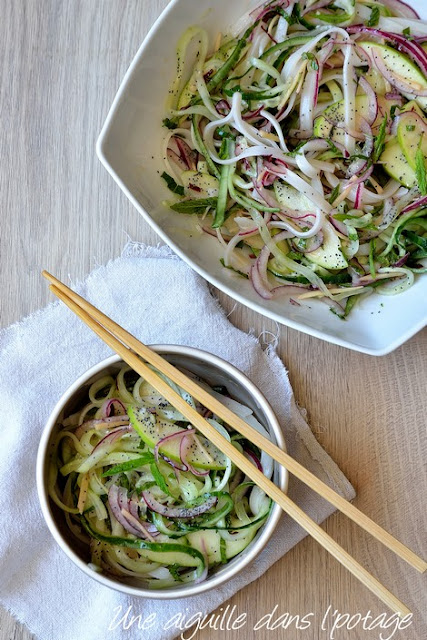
117,405
133,505
373,101
412,48
172,436
209,231
360,163
262,286
334,305
258,275
394,80
312,243
278,167
178,512
252,115
266,196
267,178
118,501
413,114
175,465
294,302
134,522
269,35
418,203
361,178
339,226
223,107
268,7
402,9
186,153
341,125
112,436
97,423
401,260
183,454
254,459
176,159
359,192
295,215
250,232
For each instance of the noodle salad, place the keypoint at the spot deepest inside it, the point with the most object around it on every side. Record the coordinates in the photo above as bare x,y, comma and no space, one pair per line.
300,142
151,498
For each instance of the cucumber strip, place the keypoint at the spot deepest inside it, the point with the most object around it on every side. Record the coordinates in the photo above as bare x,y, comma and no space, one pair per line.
162,552
197,207
195,119
172,185
222,551
223,71
246,201
295,41
227,171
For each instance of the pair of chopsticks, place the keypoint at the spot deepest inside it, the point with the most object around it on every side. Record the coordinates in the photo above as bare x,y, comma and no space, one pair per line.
132,350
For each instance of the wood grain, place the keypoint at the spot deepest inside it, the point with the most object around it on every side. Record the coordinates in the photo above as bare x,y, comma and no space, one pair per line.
61,63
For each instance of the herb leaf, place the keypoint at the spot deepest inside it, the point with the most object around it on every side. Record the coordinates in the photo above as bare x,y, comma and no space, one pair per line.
307,55
374,18
194,206
334,194
130,464
379,140
172,185
169,124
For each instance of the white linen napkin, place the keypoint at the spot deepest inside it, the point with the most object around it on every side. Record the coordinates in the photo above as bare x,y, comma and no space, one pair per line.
160,300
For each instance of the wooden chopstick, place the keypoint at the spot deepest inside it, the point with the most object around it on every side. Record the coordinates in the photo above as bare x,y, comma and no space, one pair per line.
226,447
240,425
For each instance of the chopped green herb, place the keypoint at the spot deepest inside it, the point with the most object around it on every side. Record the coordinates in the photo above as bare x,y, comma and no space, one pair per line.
334,194
307,55
130,464
334,148
169,124
374,17
194,206
158,477
172,185
379,140
410,127
296,150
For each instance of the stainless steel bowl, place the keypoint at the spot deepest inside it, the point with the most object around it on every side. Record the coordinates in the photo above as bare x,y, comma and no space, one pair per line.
214,371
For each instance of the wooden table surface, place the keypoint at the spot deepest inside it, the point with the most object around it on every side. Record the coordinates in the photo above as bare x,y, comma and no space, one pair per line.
62,62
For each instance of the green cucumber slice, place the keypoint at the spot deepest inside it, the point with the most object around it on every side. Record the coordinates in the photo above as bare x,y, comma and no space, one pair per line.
152,430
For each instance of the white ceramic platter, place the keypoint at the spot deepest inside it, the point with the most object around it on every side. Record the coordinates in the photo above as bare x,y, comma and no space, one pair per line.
130,147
